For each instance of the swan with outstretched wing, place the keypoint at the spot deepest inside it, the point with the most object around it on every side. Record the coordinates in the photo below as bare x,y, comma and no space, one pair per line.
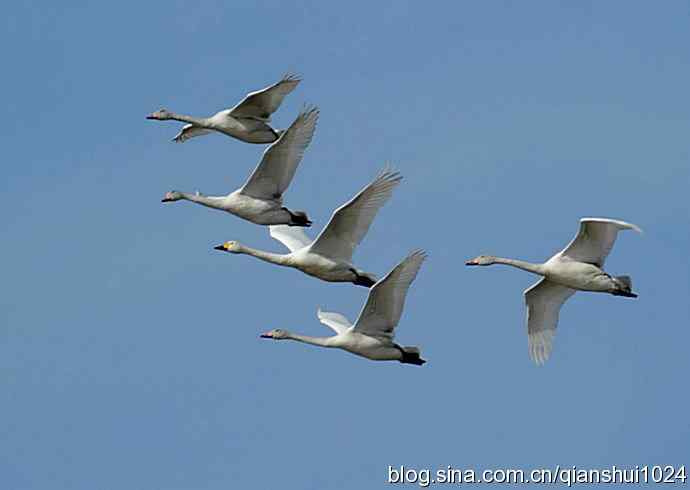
372,334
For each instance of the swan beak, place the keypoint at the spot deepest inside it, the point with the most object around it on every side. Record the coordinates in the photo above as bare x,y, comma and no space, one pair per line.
220,247
166,199
152,116
471,262
267,335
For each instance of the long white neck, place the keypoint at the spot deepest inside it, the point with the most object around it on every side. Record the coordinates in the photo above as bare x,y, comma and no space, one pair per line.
215,202
197,121
521,264
278,259
320,341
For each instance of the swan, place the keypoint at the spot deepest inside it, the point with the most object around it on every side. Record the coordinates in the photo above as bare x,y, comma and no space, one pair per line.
329,257
247,121
372,334
260,200
578,267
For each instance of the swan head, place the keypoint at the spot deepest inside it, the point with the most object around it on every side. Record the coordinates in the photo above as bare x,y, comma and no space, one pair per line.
275,334
160,115
172,196
482,260
231,246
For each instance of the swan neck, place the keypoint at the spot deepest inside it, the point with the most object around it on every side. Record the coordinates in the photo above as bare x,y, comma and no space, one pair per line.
278,259
189,119
209,201
521,264
306,339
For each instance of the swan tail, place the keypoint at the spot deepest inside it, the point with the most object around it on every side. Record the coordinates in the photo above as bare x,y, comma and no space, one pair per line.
299,218
623,287
364,279
411,355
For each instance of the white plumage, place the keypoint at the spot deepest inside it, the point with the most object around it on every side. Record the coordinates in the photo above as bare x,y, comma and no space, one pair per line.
329,257
372,334
260,199
247,121
578,267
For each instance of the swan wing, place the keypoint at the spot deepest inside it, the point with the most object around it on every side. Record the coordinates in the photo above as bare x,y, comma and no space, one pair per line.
293,237
544,300
337,322
189,131
262,103
386,300
278,166
595,239
351,221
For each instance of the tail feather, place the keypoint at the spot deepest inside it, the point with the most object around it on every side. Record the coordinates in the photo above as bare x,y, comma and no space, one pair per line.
299,218
411,355
624,287
363,278
625,280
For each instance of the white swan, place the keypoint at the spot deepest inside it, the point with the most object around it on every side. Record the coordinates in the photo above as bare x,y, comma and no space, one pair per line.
247,121
329,257
578,267
372,334
260,200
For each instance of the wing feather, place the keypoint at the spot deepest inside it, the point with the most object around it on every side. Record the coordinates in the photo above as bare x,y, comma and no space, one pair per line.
190,131
351,221
274,173
292,237
337,322
544,300
595,239
386,300
262,103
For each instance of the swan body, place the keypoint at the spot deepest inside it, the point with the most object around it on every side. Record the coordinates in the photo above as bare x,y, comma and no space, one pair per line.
372,334
322,267
260,200
578,267
329,257
248,121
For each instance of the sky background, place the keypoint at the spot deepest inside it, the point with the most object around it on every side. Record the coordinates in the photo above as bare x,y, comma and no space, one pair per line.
129,348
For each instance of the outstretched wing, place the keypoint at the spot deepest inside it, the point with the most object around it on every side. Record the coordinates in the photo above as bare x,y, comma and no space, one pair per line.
190,131
351,221
262,103
544,300
339,323
278,166
293,237
386,300
595,240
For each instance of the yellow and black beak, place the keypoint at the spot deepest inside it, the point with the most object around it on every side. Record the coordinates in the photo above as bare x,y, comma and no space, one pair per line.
221,247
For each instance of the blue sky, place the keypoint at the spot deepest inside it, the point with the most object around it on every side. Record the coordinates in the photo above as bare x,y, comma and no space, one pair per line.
129,349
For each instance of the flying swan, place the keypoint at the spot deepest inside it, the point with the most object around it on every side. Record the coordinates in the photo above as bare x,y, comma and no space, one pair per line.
577,268
329,257
247,121
260,200
372,334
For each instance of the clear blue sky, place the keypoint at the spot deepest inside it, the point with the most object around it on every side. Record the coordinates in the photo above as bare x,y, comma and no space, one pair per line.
129,349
